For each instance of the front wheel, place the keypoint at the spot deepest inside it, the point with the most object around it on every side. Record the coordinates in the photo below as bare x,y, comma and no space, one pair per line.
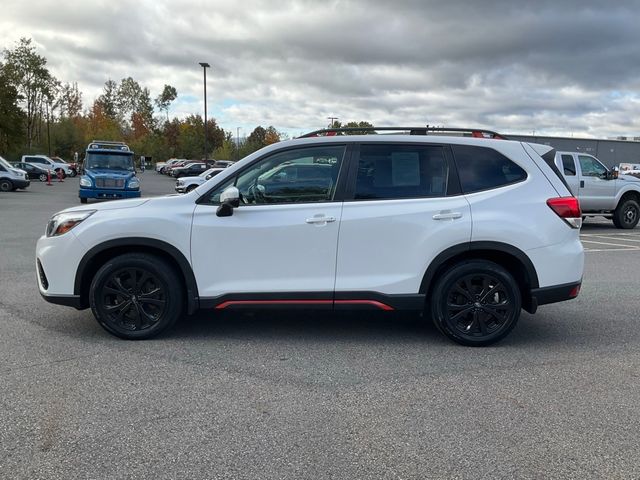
6,185
42,177
476,303
136,296
83,200
627,214
73,173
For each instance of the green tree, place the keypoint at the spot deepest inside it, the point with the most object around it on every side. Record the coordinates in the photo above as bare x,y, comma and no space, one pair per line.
163,101
11,116
361,124
70,101
28,73
108,100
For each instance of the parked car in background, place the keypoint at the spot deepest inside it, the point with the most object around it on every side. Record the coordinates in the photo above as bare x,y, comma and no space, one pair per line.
12,178
35,171
601,191
168,168
189,170
186,184
49,163
219,163
160,166
630,169
467,231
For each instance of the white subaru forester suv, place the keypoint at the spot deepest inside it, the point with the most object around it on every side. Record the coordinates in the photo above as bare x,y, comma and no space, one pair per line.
467,230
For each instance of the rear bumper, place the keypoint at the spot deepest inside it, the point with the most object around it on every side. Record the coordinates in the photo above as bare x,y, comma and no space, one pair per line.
108,193
555,293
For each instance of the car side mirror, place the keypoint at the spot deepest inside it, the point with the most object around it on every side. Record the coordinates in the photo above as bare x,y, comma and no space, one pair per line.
229,199
615,172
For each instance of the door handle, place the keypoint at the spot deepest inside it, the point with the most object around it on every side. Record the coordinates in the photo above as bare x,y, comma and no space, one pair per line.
447,215
581,183
320,219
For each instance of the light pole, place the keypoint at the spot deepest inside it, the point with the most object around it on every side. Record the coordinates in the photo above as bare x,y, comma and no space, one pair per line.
332,119
238,143
204,66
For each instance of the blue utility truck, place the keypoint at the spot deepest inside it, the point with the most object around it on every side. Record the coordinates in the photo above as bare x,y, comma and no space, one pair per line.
109,172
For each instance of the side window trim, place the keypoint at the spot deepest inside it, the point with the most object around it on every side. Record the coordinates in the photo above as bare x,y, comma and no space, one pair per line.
337,196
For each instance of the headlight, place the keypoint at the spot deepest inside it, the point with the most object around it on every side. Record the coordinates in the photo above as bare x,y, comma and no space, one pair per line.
134,183
85,182
61,223
180,182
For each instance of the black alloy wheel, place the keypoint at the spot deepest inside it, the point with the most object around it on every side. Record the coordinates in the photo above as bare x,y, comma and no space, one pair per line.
627,214
476,303
136,296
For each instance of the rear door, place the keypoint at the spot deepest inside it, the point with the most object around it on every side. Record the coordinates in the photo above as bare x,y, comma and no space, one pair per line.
402,211
570,171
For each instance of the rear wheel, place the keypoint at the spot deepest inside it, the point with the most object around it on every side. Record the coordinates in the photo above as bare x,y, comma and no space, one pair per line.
476,303
42,177
73,173
136,296
6,185
627,214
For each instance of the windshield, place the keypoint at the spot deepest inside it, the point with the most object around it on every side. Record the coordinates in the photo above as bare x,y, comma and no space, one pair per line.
5,164
110,161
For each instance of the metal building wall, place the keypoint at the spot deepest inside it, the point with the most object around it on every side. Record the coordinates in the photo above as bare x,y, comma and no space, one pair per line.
609,152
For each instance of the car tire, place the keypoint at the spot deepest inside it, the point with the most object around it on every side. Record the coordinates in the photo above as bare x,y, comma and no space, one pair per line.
6,185
73,173
627,214
476,303
136,296
43,177
83,200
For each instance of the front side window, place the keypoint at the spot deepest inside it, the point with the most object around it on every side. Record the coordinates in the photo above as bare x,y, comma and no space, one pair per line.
569,165
482,168
401,171
302,175
591,167
36,160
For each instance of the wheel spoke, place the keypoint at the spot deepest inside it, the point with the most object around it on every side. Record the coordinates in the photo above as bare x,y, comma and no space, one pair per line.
494,289
494,313
461,291
118,282
149,294
143,278
460,314
481,322
118,307
152,301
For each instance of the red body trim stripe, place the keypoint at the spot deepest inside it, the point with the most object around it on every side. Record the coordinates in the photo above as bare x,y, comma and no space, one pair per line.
375,303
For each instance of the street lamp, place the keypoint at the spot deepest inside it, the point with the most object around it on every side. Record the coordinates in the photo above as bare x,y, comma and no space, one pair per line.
332,121
238,143
204,66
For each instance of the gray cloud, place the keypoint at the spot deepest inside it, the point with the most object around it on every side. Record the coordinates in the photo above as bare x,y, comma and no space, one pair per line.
554,67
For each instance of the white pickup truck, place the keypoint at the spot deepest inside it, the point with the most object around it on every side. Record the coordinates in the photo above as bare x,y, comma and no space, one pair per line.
601,190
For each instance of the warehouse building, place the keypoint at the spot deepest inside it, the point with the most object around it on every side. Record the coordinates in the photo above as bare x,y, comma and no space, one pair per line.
609,152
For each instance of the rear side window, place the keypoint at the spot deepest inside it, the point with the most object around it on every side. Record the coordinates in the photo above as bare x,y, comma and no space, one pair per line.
35,160
569,165
401,171
482,168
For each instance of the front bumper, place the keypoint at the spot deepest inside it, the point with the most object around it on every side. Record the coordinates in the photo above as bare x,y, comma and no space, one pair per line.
20,182
107,193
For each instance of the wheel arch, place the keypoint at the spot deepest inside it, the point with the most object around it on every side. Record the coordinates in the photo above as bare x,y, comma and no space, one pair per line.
629,192
514,260
101,253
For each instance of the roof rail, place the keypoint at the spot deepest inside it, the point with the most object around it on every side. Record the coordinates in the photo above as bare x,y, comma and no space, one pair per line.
108,142
471,132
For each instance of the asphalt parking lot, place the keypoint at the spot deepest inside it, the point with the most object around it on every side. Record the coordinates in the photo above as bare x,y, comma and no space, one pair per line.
314,396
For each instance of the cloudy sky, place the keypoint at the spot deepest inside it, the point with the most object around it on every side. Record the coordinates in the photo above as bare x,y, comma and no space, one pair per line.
553,67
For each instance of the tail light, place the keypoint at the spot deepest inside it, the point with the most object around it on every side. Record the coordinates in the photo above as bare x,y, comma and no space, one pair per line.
568,209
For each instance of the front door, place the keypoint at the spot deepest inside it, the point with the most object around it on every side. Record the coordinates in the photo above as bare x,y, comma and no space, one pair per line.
596,191
282,238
